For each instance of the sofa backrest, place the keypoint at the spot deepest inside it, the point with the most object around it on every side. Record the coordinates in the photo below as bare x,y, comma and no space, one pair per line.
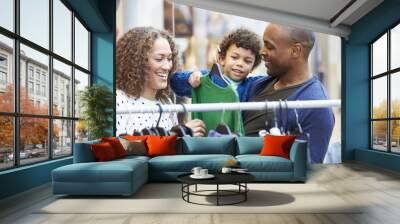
249,145
83,153
201,145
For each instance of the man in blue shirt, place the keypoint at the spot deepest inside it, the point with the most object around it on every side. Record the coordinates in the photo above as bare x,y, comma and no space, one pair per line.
285,54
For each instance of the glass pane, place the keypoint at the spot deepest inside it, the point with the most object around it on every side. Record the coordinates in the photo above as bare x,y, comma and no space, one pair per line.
395,136
7,14
6,142
62,89
379,97
6,74
395,47
81,81
62,29
81,131
379,55
62,141
33,139
395,95
379,135
34,81
35,21
81,45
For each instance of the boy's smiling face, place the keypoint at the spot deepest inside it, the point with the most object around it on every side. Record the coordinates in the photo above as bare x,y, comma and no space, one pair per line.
237,63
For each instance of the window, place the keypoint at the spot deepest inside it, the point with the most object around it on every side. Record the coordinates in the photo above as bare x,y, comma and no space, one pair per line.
55,128
43,77
43,90
3,78
385,97
30,72
3,61
30,87
3,71
7,14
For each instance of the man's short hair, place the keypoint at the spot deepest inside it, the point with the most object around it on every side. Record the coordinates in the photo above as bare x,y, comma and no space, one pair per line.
305,37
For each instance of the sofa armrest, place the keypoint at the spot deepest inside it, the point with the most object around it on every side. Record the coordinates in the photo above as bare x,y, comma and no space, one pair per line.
298,155
83,152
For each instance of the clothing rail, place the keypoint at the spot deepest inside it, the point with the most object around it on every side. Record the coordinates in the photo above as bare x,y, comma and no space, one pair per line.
202,107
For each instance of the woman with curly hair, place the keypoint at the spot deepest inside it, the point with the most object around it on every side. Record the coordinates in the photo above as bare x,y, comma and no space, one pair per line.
146,58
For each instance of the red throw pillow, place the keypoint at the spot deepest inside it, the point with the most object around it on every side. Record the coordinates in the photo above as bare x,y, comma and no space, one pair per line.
116,145
161,145
103,152
277,145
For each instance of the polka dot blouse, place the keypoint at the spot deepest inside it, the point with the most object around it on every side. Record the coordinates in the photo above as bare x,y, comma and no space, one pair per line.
128,123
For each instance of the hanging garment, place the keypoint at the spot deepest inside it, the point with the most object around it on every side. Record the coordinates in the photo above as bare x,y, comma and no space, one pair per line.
208,92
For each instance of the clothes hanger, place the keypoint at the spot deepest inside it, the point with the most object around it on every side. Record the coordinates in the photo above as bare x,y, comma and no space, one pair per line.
222,128
287,130
217,71
300,129
264,132
275,130
161,131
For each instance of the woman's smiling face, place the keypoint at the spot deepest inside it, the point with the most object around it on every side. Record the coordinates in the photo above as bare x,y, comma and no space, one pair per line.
160,65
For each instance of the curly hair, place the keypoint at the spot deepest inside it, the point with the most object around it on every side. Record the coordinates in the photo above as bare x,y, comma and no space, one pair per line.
133,51
243,38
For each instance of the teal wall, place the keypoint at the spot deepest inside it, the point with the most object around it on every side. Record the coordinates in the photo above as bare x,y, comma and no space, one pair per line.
99,16
355,90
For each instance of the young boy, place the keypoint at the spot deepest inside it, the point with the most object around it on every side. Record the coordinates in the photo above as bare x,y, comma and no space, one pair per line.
239,55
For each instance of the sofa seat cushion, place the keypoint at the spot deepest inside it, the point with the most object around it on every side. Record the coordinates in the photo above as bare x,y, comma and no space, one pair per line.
257,163
112,171
185,163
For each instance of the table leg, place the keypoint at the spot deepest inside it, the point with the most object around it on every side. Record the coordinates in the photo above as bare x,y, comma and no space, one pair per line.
217,194
245,193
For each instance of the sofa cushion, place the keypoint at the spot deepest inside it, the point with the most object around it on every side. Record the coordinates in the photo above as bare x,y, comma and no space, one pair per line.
257,163
185,163
112,171
202,145
249,145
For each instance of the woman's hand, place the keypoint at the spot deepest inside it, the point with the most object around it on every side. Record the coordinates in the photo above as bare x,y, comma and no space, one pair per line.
198,127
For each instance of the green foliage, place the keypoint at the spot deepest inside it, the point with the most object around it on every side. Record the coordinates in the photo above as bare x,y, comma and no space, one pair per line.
96,102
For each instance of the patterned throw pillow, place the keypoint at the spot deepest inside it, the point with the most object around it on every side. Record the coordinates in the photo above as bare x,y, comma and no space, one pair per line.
134,147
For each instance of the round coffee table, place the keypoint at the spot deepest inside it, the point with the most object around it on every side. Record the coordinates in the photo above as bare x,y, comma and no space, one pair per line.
238,179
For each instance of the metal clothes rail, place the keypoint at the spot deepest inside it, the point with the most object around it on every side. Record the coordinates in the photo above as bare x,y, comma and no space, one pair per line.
203,107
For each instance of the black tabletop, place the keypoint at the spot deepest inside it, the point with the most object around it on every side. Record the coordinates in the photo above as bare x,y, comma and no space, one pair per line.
220,178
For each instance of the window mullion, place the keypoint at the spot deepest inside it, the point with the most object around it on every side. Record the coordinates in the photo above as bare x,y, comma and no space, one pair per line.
50,81
73,82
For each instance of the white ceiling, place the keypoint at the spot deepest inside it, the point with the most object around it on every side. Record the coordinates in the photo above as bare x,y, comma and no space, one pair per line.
324,16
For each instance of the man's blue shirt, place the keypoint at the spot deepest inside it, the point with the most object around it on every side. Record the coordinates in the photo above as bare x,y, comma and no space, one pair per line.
317,122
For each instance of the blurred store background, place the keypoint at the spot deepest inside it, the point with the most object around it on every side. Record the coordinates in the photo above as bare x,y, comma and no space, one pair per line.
199,31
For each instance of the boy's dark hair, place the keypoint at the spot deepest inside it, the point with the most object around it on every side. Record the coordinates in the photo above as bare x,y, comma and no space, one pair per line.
243,38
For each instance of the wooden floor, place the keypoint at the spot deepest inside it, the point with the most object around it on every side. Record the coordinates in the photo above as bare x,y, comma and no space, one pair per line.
377,188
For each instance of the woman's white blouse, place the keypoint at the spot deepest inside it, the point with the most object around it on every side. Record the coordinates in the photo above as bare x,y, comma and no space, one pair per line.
128,123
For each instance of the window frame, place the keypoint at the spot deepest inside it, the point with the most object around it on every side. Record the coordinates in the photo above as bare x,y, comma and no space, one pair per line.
16,114
388,74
